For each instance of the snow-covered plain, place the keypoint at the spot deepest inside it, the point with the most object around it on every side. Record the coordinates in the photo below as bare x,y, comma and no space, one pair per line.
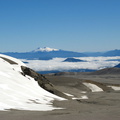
94,63
21,92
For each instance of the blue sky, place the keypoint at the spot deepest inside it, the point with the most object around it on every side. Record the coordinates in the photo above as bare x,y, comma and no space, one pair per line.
76,25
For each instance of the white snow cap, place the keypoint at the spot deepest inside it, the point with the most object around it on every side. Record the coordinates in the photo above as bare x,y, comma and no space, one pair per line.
45,49
21,92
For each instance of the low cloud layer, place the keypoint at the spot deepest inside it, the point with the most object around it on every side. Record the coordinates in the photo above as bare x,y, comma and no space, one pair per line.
94,63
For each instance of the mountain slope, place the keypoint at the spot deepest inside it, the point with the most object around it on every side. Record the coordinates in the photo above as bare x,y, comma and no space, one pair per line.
115,52
19,90
112,53
105,71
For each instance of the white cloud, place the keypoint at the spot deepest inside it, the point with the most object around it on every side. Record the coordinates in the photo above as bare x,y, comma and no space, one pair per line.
57,64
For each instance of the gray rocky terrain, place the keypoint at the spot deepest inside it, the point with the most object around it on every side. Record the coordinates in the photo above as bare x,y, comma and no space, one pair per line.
103,105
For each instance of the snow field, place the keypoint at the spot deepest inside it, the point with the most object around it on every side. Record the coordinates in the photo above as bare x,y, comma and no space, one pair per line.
22,92
93,87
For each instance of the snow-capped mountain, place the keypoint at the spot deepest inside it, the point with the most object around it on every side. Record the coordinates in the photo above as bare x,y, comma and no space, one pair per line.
45,53
45,49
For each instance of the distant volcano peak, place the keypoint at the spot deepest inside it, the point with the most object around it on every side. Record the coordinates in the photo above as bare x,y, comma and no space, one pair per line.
45,49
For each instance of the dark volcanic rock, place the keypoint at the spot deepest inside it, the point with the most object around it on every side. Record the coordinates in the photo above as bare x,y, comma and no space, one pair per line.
43,81
8,60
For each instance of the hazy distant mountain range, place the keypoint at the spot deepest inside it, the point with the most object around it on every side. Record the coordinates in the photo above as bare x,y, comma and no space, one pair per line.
50,60
110,53
47,53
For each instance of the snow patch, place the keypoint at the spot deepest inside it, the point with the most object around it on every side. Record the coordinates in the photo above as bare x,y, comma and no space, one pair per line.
83,92
93,87
75,98
68,94
82,97
115,87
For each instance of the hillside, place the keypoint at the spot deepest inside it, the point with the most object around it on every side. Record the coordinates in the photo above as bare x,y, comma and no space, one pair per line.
109,53
23,89
105,71
112,53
